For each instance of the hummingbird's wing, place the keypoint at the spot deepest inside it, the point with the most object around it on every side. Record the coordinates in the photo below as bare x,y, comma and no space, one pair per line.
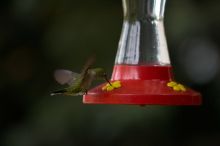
88,65
63,76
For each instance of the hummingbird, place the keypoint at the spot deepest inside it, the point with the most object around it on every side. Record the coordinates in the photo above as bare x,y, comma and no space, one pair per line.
78,83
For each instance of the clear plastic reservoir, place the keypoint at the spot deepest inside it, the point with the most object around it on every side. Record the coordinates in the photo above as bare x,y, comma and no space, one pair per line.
143,40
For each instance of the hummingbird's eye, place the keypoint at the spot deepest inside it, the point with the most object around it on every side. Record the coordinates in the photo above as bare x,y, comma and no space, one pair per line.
104,74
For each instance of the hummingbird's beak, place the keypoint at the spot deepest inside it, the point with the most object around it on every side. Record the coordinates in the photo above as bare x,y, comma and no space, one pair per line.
107,80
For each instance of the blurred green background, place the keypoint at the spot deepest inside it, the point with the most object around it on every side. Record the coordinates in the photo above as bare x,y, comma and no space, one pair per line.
39,36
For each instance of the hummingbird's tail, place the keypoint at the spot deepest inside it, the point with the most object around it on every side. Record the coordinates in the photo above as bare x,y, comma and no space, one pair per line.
58,92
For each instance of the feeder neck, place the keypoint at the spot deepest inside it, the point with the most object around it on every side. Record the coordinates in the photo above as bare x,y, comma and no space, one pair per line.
143,9
143,38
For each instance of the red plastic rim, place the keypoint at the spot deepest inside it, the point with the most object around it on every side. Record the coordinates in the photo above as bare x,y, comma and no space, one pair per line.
142,85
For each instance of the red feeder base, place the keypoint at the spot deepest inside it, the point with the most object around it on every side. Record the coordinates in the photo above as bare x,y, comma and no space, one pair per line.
142,85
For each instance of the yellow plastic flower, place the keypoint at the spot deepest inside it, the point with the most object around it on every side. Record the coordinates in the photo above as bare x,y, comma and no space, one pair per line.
114,85
176,86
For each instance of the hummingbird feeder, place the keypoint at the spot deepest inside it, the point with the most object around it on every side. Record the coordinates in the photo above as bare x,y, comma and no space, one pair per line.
142,72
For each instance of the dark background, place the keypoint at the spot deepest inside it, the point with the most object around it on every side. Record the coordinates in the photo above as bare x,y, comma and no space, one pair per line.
39,36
